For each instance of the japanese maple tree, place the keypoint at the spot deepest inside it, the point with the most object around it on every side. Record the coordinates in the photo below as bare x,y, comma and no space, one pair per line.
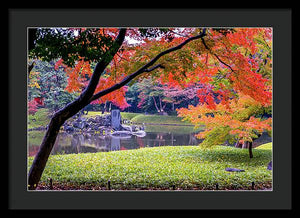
238,69
229,63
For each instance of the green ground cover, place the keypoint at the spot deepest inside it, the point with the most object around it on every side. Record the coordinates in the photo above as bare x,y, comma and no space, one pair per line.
128,115
171,128
267,146
185,167
159,119
40,118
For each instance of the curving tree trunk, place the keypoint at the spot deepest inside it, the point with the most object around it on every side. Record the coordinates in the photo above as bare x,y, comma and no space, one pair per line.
68,111
250,149
85,98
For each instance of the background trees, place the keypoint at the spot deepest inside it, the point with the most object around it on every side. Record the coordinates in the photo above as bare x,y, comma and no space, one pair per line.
47,86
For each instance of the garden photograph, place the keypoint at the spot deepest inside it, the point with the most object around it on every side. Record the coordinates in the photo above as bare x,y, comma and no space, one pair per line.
149,109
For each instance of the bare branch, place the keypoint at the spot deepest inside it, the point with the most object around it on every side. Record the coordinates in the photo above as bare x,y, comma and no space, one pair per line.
83,99
155,67
203,41
88,92
145,67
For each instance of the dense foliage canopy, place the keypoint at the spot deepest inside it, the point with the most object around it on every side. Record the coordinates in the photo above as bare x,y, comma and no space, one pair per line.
229,71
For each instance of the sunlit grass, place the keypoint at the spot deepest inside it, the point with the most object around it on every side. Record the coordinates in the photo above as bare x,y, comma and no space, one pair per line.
172,129
267,146
159,119
185,167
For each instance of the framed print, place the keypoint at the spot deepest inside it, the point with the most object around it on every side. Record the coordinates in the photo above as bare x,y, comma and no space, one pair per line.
150,109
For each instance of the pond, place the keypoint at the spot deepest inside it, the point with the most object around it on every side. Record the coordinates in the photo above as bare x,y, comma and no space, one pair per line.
86,142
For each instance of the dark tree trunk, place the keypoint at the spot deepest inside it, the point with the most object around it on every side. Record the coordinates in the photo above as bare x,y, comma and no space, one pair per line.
41,158
30,67
250,149
31,38
48,142
68,111
84,99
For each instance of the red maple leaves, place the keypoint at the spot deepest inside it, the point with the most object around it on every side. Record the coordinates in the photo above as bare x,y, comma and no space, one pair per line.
227,64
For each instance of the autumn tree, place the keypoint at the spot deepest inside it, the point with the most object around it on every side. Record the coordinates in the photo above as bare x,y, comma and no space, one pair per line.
242,64
229,63
241,121
103,46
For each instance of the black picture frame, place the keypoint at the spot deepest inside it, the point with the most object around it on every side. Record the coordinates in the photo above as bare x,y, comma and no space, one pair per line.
278,199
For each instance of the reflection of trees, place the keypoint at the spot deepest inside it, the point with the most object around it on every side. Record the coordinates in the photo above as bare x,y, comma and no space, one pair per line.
107,143
33,150
140,142
80,143
57,145
131,142
160,139
75,143
115,143
192,139
88,139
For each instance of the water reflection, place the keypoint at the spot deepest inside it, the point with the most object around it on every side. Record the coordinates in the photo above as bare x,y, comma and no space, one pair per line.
84,143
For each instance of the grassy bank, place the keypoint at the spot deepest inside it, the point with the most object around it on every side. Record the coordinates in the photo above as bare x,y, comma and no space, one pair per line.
184,167
40,118
159,123
159,119
267,146
143,118
164,124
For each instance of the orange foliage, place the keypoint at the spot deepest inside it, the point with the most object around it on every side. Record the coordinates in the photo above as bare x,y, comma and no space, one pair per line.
78,78
225,65
238,115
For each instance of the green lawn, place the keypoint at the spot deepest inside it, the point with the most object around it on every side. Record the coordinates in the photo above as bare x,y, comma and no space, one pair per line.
267,146
176,125
124,115
186,167
159,119
40,118
94,113
170,128
128,115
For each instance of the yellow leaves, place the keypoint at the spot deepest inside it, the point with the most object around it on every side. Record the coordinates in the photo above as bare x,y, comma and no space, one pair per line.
33,74
33,78
235,119
34,84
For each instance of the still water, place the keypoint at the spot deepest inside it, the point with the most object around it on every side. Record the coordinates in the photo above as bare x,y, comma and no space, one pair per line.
87,143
